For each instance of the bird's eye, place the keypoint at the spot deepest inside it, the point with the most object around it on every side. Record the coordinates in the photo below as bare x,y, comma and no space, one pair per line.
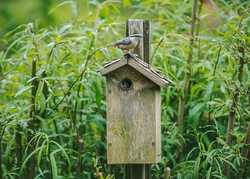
126,84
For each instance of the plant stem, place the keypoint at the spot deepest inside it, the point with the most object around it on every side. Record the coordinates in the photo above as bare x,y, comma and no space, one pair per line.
198,29
18,139
214,72
188,73
232,113
232,110
245,153
33,123
79,141
1,163
77,79
1,154
45,87
156,48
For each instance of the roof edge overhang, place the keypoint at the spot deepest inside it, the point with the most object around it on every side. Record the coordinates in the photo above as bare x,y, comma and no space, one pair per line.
144,68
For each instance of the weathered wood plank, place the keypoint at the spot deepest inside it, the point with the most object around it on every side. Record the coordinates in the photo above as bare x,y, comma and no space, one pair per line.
135,26
139,26
149,73
146,41
133,131
115,65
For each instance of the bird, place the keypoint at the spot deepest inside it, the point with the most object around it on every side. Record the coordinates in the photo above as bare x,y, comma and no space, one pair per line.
128,43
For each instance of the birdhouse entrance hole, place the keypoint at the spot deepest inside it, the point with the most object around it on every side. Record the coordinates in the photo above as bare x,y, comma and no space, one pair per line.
126,84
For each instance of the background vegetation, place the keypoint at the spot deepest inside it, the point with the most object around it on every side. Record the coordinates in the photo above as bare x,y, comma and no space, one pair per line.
52,99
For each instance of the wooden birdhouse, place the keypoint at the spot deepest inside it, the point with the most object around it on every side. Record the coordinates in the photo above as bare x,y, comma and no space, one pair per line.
133,111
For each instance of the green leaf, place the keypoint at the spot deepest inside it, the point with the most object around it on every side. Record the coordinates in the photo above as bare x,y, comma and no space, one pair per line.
22,90
53,165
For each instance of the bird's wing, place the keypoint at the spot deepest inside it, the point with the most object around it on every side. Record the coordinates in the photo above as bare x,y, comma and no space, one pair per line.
126,41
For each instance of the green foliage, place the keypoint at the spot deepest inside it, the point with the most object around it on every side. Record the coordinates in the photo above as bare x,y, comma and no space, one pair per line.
70,140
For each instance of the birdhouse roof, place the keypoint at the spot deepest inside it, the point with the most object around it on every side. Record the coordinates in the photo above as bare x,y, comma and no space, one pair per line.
139,65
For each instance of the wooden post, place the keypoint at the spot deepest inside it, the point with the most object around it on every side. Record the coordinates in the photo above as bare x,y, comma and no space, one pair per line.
167,173
138,26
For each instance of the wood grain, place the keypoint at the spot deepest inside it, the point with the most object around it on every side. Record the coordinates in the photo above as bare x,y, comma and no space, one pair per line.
133,127
135,26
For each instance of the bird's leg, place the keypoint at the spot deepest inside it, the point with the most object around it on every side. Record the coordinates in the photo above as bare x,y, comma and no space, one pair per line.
131,55
127,54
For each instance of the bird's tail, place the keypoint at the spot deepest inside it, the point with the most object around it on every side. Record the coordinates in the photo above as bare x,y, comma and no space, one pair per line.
111,45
